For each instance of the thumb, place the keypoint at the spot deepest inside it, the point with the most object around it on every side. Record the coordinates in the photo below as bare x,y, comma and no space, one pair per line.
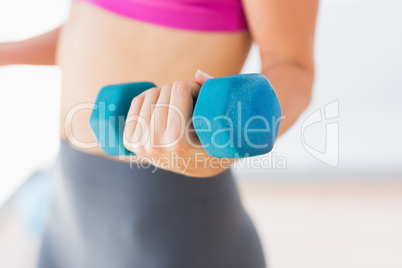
201,77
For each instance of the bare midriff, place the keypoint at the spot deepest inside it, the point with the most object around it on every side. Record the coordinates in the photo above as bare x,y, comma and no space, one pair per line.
99,48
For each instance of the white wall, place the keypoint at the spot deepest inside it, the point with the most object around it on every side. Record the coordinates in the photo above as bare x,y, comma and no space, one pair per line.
359,59
29,102
359,64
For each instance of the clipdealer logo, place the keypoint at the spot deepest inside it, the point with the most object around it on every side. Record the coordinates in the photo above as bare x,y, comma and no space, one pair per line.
327,118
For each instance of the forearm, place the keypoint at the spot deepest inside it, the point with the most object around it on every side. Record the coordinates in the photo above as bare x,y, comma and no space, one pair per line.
293,84
39,50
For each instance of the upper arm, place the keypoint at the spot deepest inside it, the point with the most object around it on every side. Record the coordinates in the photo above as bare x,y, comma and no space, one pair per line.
283,29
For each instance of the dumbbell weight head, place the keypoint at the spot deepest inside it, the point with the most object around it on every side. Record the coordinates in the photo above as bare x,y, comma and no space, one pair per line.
110,112
237,116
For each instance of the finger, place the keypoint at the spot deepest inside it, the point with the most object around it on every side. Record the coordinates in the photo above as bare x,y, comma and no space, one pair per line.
140,133
201,77
151,97
181,104
160,115
132,116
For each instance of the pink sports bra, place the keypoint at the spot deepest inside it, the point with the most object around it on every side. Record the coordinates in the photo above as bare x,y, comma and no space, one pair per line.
198,15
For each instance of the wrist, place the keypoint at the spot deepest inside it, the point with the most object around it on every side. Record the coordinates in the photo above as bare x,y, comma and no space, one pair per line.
3,55
6,54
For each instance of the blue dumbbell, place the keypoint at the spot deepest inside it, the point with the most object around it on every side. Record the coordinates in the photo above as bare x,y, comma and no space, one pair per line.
234,117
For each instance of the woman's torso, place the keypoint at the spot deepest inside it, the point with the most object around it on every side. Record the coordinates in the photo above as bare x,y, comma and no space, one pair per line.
109,213
98,48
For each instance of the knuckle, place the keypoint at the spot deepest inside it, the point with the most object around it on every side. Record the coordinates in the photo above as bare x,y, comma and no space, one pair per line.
173,134
166,88
137,100
147,148
154,144
155,90
152,92
164,94
140,151
180,147
180,88
152,149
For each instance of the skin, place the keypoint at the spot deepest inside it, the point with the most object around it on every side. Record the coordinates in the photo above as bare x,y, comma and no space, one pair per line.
92,53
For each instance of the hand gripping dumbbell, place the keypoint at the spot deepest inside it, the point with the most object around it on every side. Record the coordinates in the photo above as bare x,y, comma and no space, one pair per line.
234,116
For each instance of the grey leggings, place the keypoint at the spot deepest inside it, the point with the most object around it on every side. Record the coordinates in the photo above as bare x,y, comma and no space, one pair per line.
107,214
